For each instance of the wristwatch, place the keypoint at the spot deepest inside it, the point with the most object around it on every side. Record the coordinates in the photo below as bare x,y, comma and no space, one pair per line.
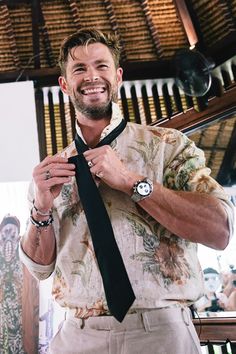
142,189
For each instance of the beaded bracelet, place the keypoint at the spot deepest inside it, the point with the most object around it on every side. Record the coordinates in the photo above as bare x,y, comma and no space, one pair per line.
39,212
41,223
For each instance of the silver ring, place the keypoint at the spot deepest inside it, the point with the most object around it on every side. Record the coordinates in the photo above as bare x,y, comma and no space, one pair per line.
47,175
90,164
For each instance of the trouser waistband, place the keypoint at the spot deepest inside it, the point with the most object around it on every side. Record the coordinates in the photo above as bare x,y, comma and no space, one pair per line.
147,319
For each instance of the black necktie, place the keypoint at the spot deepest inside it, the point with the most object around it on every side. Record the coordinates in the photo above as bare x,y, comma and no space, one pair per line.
118,290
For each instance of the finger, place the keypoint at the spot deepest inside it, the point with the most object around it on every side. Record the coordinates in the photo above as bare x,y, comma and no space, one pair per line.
53,159
58,166
91,157
94,152
99,174
56,181
100,151
52,162
55,177
58,172
54,169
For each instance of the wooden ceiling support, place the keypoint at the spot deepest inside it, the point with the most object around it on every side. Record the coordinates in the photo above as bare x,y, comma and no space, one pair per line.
38,25
218,108
35,32
10,33
13,2
216,329
46,40
186,21
132,71
115,27
39,104
152,28
75,13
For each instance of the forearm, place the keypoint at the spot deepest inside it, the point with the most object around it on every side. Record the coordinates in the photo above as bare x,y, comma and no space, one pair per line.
194,216
39,244
197,217
49,176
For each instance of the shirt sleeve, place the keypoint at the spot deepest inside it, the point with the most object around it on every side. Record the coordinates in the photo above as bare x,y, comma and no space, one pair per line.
39,271
186,170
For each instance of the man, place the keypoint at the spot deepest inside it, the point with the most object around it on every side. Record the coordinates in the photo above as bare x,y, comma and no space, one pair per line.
160,200
214,299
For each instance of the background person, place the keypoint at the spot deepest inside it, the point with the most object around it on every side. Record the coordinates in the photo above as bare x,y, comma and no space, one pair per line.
214,300
230,290
161,202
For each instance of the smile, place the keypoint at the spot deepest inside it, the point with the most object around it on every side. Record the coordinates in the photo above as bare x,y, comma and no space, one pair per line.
94,90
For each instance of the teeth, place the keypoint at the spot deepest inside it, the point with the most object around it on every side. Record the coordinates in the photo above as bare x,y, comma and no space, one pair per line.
93,90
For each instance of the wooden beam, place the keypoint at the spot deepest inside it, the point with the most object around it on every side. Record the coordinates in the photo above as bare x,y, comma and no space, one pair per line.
45,38
35,32
152,28
132,71
218,108
186,21
6,20
114,26
44,76
14,2
75,13
215,329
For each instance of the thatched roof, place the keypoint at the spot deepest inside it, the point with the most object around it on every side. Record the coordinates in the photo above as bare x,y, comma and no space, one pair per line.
150,32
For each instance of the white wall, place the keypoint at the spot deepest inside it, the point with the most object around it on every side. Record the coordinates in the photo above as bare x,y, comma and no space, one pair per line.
19,150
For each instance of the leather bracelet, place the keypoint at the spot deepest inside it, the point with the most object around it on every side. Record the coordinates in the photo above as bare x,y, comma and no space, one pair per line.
39,212
40,223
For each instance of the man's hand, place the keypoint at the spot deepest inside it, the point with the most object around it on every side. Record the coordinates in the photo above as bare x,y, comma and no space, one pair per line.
105,164
49,177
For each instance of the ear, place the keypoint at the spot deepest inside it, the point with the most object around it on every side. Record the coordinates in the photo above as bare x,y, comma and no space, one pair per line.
119,74
63,84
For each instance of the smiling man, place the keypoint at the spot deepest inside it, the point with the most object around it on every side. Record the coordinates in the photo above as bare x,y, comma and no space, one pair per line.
116,217
91,80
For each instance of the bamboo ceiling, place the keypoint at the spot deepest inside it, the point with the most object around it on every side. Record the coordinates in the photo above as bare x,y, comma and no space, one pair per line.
150,31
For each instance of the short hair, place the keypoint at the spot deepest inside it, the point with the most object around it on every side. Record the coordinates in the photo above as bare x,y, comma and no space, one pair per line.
84,37
210,271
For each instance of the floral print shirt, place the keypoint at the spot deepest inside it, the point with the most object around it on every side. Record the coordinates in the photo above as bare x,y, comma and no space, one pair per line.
163,268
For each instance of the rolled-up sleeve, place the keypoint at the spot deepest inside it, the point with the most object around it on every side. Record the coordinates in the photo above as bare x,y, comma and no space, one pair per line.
39,271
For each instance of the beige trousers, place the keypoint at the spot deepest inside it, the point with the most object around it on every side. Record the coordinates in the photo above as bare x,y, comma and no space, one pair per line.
161,331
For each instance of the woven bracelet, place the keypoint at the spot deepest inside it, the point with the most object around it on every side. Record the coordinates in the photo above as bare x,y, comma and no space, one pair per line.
41,223
39,212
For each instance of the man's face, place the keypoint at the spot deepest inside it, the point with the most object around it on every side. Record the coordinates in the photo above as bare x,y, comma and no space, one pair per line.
212,282
91,80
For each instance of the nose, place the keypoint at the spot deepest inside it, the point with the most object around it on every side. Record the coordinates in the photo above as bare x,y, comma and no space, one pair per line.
91,76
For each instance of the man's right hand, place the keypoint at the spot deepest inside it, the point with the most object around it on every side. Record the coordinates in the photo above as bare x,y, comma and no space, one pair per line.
49,177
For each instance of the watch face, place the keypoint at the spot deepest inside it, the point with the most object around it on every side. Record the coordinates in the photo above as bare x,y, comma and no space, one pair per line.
143,188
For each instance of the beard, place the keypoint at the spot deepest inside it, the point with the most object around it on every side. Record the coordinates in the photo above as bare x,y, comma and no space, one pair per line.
95,111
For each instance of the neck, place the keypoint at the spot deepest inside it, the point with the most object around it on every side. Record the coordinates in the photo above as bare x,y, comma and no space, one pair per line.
92,129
